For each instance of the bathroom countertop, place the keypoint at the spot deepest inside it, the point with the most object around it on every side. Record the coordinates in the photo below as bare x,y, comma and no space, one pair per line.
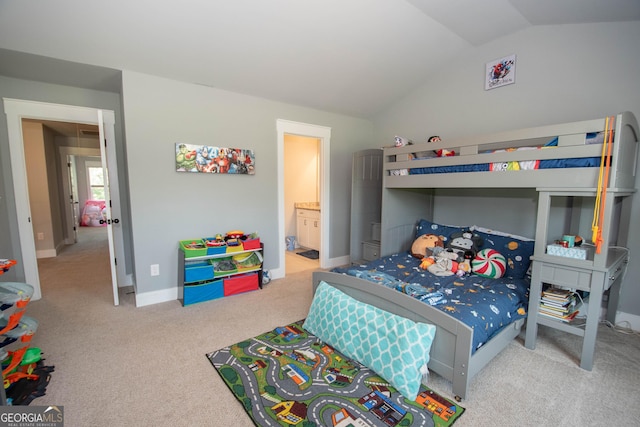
314,206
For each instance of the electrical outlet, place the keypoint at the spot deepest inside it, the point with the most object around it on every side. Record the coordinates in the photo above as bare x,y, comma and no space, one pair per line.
40,236
155,269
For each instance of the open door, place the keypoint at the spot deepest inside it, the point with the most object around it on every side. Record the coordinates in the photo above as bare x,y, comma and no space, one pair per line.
15,111
106,132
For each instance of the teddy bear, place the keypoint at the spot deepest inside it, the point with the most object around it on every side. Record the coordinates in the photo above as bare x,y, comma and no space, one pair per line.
427,245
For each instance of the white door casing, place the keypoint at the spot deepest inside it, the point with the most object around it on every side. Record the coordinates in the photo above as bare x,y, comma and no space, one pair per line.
324,135
16,110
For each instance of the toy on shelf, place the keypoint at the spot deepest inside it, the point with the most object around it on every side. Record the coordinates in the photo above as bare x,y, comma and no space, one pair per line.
14,297
216,241
6,264
234,238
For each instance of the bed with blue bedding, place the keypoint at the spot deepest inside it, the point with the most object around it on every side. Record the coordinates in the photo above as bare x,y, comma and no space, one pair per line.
484,304
476,316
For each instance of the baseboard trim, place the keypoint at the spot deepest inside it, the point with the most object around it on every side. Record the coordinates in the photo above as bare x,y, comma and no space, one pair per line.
47,253
156,297
626,320
337,262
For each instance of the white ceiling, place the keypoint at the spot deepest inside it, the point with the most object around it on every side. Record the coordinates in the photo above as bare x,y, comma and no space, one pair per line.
352,57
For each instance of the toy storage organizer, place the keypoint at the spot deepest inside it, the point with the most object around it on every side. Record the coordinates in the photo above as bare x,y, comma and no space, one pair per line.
207,273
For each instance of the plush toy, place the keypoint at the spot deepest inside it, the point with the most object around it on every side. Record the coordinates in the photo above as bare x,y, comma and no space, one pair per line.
399,141
441,152
489,263
445,264
427,245
465,244
445,153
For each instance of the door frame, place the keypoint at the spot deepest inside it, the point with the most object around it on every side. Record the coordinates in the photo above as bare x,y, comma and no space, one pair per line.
16,110
323,133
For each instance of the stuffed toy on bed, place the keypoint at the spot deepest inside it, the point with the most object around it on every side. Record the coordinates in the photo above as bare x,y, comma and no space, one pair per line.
454,258
465,244
446,264
427,245
441,152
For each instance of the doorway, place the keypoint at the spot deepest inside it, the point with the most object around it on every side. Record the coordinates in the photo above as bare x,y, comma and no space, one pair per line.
323,134
16,111
302,190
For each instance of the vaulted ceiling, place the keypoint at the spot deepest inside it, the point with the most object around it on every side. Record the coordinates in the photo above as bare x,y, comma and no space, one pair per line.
352,57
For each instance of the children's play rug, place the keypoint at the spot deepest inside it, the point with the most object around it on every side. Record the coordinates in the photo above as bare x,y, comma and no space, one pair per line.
287,377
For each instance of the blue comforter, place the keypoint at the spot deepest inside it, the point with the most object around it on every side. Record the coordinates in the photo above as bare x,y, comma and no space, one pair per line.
486,305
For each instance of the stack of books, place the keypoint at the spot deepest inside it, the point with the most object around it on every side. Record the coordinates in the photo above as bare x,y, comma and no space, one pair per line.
558,303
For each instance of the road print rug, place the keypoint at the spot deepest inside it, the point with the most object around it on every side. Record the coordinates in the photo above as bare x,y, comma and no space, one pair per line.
288,377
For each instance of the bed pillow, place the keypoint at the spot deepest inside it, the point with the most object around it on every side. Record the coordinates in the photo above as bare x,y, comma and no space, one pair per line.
428,227
517,250
489,263
394,347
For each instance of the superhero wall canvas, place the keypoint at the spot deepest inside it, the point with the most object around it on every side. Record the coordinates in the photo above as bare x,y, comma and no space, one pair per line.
206,159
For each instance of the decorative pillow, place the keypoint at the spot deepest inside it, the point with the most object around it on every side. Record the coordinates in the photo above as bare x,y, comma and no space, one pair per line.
489,263
444,231
394,347
516,249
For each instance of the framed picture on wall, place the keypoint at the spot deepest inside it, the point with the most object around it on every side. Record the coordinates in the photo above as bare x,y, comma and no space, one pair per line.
207,159
500,72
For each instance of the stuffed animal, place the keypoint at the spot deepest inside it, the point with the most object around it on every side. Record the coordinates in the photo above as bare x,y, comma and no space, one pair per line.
441,152
445,264
427,245
465,244
399,141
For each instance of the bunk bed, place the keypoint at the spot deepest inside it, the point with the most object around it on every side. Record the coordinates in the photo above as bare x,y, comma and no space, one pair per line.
410,177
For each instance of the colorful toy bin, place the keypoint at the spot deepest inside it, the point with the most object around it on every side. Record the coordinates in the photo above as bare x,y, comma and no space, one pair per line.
215,246
251,243
197,271
203,291
193,248
242,283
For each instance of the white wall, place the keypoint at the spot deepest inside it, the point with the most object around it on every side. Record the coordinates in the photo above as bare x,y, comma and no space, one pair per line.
167,206
301,176
41,220
563,73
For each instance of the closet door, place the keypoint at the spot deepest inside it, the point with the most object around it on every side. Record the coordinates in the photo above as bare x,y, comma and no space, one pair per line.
366,199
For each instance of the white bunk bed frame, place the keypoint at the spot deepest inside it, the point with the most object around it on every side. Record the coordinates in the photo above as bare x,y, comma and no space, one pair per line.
407,198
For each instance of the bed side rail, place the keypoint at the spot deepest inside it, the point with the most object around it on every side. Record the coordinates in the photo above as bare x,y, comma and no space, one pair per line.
451,349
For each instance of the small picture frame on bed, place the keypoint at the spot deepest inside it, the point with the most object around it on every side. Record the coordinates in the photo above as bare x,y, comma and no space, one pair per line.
500,72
